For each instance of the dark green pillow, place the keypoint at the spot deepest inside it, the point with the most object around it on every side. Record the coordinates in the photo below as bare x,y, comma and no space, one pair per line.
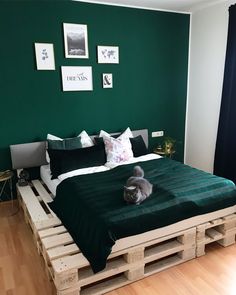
65,144
138,146
62,161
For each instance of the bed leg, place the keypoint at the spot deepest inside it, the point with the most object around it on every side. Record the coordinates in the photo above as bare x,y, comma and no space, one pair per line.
200,250
229,230
136,260
188,254
200,240
67,281
71,291
135,273
135,255
188,238
227,241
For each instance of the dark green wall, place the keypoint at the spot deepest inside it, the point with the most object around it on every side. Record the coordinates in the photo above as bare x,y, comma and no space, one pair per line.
150,82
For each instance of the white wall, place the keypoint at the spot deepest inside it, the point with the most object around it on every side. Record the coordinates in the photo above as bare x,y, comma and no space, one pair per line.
209,28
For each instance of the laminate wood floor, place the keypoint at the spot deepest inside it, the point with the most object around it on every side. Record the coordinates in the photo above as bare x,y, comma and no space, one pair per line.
22,269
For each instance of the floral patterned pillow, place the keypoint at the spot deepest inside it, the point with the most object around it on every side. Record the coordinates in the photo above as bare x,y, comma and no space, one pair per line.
118,150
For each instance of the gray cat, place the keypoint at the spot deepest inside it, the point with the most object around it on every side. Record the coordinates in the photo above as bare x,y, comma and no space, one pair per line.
137,188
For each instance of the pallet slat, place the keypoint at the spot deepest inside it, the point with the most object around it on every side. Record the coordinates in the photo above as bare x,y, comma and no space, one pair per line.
61,251
34,209
42,191
47,223
52,231
57,240
162,265
163,251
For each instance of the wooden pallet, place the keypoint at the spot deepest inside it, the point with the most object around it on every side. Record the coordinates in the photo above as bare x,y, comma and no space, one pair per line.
221,230
33,200
70,270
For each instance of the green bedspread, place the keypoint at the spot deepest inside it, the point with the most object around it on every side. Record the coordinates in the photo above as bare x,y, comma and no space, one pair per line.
93,210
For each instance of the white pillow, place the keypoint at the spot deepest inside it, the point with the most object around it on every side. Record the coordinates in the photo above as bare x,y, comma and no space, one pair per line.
118,150
86,140
51,137
103,133
126,134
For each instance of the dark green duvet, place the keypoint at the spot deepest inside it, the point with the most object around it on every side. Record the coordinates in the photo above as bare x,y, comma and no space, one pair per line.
93,210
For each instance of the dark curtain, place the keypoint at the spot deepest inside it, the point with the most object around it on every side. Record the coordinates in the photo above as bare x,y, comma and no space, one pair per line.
225,154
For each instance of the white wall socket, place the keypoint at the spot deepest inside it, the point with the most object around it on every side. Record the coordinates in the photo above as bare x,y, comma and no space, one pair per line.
157,133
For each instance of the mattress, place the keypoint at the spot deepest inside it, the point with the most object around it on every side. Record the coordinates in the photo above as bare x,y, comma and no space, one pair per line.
45,172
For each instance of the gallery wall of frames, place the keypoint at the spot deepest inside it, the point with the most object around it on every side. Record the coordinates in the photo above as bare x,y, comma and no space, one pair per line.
70,65
77,78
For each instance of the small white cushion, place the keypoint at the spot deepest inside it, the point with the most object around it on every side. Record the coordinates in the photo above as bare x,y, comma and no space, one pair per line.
127,133
103,133
86,140
53,137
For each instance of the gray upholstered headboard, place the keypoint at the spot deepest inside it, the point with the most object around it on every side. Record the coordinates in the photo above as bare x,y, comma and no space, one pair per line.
33,154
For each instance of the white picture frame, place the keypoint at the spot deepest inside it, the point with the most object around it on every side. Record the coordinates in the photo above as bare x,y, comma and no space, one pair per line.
107,80
77,78
108,54
44,53
76,40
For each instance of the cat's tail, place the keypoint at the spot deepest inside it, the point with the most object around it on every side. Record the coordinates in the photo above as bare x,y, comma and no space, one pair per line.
138,171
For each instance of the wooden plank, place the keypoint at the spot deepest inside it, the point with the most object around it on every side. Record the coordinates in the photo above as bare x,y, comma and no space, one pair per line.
75,290
106,286
68,262
42,191
57,240
161,251
216,222
61,251
214,234
230,217
43,195
161,265
34,208
52,231
47,223
115,267
227,241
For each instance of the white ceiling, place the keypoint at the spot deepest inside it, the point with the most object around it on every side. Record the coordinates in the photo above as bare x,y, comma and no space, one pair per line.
175,5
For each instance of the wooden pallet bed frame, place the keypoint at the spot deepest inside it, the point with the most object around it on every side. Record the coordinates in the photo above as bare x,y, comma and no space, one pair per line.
132,258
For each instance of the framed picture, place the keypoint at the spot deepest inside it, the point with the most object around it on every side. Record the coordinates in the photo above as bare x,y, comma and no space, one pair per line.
76,41
108,54
44,53
107,81
77,78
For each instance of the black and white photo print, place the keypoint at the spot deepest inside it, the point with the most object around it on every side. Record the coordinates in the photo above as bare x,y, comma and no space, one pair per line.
76,41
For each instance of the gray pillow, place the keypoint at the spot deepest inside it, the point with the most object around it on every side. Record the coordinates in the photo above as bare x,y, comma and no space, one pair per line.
65,144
